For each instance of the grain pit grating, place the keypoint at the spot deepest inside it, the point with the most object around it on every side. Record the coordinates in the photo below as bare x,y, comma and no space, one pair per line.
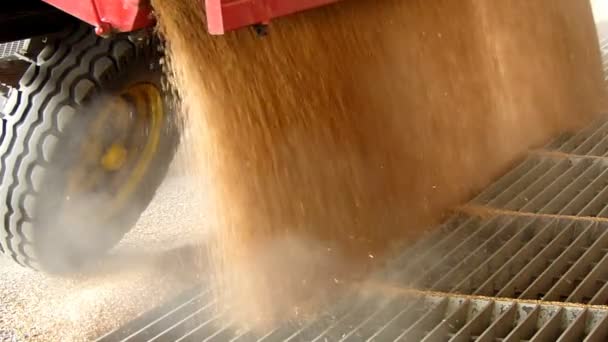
532,267
12,48
381,317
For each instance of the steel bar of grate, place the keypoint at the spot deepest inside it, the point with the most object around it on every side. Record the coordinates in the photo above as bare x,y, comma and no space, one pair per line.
504,265
503,244
197,331
462,227
550,329
144,325
420,317
592,284
174,332
11,48
519,258
555,177
497,187
601,296
403,318
567,200
450,324
525,327
569,282
574,330
486,233
526,266
550,275
416,332
480,316
422,246
585,141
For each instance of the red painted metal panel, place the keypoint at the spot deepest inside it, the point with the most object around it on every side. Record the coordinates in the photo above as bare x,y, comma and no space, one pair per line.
222,15
227,15
109,15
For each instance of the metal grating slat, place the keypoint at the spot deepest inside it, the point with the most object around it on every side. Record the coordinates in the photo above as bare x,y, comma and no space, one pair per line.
481,314
576,330
12,48
583,142
522,270
558,267
227,333
197,332
525,181
340,328
376,323
597,144
500,327
503,268
520,258
423,245
553,178
421,327
311,330
504,242
143,326
587,193
402,319
559,141
597,328
593,282
555,197
495,189
601,297
416,317
442,264
551,329
452,323
525,326
426,259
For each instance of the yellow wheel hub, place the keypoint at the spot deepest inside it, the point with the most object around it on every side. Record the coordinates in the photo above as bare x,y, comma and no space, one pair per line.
122,141
114,158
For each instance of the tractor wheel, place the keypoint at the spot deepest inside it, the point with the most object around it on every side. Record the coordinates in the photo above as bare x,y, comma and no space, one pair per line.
85,142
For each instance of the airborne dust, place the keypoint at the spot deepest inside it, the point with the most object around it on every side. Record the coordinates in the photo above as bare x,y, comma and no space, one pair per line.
352,128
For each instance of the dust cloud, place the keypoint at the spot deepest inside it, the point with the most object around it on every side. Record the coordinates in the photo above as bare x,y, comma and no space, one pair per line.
151,265
356,126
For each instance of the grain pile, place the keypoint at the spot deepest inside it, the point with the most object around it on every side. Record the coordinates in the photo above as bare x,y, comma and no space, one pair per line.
357,125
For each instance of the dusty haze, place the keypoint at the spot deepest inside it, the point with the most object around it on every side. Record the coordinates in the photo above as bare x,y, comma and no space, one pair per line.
356,126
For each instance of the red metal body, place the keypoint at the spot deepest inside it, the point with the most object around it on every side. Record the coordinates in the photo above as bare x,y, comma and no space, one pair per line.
222,15
109,15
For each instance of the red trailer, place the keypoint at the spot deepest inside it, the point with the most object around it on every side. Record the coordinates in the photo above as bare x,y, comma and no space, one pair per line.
222,15
87,134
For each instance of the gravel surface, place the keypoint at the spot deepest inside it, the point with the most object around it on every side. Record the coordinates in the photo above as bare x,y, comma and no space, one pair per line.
154,262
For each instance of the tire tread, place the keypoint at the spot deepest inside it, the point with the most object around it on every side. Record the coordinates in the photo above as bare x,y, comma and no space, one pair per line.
35,119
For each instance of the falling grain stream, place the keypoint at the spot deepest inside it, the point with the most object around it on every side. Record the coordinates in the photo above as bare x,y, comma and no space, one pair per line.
352,128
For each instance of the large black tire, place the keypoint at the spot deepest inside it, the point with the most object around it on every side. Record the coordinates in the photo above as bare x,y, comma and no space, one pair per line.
43,125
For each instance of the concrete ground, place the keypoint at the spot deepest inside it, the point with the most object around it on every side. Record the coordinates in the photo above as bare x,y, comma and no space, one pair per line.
154,262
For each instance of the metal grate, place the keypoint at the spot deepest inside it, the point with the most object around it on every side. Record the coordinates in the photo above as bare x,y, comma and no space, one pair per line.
12,48
569,178
541,252
514,257
385,317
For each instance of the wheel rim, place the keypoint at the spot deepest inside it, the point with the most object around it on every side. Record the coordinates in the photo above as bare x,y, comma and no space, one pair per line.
121,143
